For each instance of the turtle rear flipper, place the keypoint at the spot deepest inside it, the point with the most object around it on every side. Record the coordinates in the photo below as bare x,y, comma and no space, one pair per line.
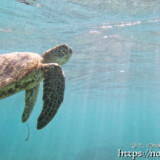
30,100
53,92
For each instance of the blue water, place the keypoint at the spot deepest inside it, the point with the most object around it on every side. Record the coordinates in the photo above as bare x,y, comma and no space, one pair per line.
112,95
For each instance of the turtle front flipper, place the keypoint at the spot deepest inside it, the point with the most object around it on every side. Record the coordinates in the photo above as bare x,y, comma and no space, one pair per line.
53,92
30,100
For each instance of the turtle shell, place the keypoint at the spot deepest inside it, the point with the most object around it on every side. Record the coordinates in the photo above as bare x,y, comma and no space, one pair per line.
15,66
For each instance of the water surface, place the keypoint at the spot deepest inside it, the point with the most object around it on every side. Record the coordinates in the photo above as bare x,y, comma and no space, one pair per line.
112,80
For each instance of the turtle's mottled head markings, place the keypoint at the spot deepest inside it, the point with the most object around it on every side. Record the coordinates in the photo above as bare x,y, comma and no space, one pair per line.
59,54
25,70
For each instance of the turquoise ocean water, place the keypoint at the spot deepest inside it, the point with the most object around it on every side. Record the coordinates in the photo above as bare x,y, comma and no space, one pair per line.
112,96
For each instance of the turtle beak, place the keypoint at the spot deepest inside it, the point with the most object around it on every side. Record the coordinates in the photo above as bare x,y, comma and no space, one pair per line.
70,51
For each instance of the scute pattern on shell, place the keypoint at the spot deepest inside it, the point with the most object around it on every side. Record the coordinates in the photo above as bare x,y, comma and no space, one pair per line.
16,65
25,70
19,71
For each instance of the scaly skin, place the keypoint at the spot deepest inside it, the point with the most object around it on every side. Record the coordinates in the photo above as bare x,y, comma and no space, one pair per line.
19,71
25,70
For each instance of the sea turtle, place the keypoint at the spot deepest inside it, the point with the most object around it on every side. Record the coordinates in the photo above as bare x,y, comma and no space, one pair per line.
25,70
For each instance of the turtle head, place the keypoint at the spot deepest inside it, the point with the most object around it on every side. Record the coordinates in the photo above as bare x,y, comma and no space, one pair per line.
59,54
